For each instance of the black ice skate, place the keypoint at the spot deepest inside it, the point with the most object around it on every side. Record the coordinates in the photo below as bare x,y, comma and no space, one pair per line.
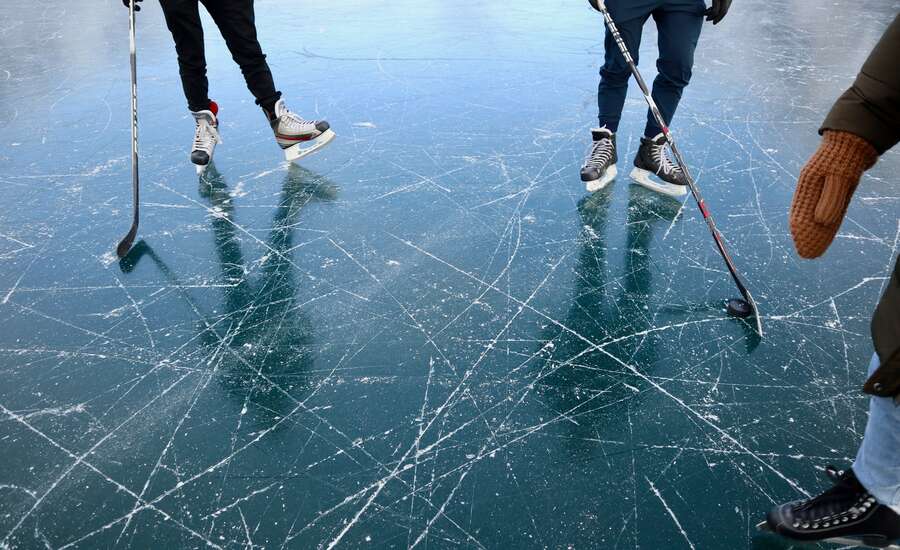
844,514
600,165
654,170
205,137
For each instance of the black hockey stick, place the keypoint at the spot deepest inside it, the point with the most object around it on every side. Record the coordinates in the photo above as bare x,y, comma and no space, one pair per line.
735,307
126,242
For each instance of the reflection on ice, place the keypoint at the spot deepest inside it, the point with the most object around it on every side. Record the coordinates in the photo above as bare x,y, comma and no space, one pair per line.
429,335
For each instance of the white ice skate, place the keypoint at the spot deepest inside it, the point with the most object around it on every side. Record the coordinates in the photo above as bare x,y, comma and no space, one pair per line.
205,137
297,136
655,171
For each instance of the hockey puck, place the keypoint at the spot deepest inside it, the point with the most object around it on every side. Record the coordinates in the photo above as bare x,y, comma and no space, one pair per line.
738,308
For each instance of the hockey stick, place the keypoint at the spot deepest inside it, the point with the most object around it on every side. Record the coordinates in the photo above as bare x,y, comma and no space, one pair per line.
126,242
695,191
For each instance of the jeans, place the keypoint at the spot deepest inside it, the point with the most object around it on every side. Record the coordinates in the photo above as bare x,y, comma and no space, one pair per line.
236,22
877,463
678,23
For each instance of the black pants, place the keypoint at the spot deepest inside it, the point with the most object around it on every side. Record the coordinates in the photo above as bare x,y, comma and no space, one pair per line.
237,24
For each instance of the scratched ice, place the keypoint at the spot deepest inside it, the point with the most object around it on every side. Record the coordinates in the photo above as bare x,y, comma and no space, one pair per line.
428,336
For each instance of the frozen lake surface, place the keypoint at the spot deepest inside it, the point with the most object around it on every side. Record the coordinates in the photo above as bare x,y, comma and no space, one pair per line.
428,335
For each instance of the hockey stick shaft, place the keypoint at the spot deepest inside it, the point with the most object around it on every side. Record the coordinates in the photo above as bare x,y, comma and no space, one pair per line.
125,244
692,185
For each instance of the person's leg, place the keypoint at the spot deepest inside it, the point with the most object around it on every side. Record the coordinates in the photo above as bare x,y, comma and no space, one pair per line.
237,22
615,73
877,463
864,502
679,32
183,20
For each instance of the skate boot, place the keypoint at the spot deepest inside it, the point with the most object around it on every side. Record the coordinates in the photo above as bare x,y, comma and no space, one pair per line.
654,170
844,514
600,165
205,137
297,136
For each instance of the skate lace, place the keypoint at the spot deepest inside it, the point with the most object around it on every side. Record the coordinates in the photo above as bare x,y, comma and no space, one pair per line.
601,152
293,121
206,136
666,166
844,502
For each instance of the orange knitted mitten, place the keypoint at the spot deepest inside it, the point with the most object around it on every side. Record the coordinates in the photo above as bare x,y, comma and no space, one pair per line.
824,189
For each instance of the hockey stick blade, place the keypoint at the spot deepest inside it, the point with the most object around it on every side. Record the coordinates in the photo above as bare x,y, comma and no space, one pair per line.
125,244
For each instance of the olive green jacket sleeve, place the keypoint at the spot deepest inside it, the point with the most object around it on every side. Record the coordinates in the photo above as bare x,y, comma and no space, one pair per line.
871,107
871,110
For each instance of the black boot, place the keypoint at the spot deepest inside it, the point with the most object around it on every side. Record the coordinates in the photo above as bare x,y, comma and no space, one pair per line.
846,511
654,170
599,167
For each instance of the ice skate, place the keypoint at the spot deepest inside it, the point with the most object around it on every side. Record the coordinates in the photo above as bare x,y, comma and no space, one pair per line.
205,137
297,136
844,514
654,170
600,165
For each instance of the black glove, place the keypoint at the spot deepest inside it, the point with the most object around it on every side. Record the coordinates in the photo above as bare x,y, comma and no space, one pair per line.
716,12
136,6
594,4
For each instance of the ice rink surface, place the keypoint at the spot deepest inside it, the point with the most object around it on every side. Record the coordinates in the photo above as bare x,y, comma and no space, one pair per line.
429,335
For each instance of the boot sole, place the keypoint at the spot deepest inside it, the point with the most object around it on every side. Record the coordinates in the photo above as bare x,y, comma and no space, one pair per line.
296,152
608,176
864,542
645,179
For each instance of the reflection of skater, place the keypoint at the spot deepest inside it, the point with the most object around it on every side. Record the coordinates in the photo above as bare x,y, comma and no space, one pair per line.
584,382
262,326
864,503
678,23
262,321
236,21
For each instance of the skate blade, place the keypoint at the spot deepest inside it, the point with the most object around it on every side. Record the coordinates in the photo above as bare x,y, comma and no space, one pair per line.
201,168
859,543
596,185
296,152
643,178
846,541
